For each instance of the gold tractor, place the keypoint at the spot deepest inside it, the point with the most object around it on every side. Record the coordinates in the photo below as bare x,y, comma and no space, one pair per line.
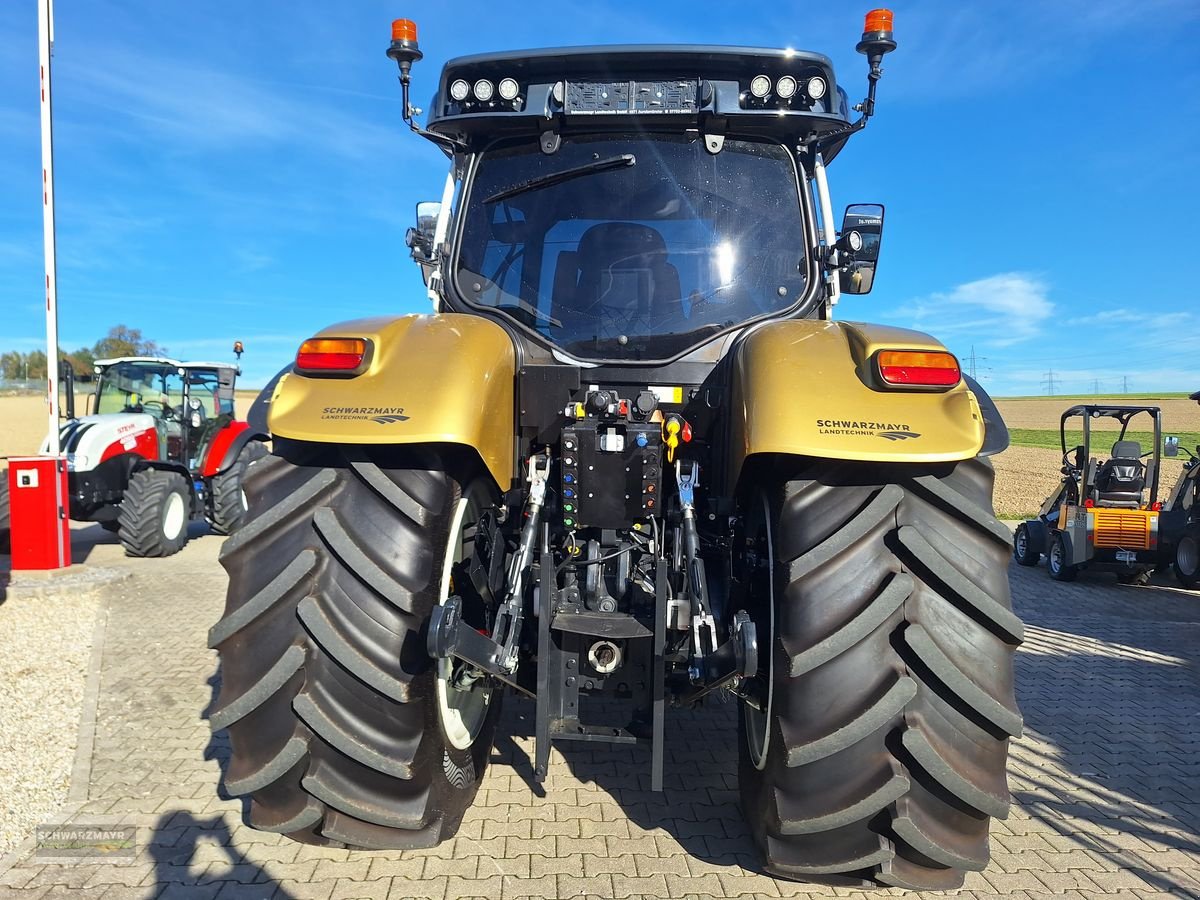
631,461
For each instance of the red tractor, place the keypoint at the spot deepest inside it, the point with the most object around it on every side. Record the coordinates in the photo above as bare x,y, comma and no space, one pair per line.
161,446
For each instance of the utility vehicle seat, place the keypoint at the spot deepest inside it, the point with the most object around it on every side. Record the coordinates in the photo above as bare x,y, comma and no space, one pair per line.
1121,480
619,269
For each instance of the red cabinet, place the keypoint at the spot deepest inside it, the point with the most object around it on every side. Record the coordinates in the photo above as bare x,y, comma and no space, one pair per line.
38,510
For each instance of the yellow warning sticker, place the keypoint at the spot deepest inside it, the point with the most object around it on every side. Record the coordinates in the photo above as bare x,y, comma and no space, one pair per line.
667,394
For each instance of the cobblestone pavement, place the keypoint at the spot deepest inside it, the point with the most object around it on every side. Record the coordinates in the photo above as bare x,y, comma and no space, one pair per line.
1104,780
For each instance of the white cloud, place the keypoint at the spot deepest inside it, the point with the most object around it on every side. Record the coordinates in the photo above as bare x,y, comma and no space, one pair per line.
999,310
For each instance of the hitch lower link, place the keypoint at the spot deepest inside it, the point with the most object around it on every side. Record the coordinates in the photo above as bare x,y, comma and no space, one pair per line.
713,665
450,636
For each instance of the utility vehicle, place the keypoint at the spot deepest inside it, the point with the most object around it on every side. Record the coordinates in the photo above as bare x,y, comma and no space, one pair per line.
161,445
630,462
1105,512
1180,522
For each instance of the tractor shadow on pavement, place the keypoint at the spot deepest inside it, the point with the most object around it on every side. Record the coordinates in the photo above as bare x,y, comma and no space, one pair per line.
91,539
698,808
1109,683
182,868
191,853
218,749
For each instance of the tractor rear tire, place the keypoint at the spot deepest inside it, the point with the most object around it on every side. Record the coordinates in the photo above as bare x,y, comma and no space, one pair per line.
1023,552
228,497
154,515
329,696
881,755
1187,557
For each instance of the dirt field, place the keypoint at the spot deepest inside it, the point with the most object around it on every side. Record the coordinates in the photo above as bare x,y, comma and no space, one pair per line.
22,424
1178,415
1024,475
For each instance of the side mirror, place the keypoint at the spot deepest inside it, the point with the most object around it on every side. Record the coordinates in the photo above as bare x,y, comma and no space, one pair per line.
858,247
1170,445
67,377
420,238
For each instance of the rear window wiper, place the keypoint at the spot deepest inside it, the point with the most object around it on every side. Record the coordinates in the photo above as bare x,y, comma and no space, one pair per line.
534,184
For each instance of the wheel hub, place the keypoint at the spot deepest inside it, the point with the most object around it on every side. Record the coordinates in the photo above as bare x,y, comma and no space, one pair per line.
463,696
1188,555
758,692
174,516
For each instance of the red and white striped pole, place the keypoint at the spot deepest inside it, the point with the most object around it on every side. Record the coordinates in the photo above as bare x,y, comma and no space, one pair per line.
45,48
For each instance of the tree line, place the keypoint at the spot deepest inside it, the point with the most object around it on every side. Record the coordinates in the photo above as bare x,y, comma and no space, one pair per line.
120,341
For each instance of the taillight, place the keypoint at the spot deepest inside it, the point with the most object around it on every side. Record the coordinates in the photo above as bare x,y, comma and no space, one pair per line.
918,368
331,354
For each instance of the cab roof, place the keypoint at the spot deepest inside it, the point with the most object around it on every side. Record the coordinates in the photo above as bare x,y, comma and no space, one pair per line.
165,360
1106,411
706,86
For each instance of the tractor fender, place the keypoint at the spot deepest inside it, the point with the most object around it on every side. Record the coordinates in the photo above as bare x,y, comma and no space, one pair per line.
429,379
995,436
808,387
1069,550
257,415
1037,535
226,445
163,465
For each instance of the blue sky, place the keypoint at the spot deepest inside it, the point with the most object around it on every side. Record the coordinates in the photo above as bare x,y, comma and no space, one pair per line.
233,170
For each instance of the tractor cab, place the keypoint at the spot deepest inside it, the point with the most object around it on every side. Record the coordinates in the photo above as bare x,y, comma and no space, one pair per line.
189,402
1105,513
1122,475
633,204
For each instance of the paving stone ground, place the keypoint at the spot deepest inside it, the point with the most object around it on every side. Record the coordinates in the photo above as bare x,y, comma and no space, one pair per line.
1105,780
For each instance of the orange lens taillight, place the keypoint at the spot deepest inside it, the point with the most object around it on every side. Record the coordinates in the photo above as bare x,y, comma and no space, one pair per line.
878,20
406,30
331,354
919,368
